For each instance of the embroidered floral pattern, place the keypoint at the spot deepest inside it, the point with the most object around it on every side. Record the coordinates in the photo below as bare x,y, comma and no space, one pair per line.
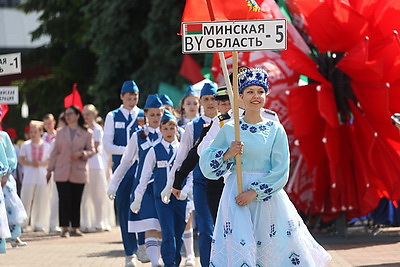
294,258
262,128
219,153
214,164
253,129
267,190
227,229
266,198
273,232
219,173
229,165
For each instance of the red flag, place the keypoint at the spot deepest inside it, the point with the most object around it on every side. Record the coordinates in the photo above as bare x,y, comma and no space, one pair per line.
190,69
74,98
219,10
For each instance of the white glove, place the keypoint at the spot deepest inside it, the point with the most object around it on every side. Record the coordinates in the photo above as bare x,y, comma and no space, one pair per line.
111,193
135,206
183,195
166,193
186,192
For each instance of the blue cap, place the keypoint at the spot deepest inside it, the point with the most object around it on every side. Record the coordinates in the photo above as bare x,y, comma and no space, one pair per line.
208,89
190,91
129,87
168,116
253,76
153,101
166,100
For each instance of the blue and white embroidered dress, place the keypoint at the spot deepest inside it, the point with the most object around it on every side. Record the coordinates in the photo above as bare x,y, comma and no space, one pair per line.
268,231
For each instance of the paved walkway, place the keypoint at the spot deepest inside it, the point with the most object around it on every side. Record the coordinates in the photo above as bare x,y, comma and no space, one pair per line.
105,249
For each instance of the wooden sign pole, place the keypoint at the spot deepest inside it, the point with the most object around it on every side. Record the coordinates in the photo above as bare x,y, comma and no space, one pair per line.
236,118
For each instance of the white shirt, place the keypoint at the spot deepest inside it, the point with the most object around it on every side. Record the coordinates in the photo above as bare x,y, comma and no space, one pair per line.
184,148
108,139
149,165
34,175
50,139
96,162
131,154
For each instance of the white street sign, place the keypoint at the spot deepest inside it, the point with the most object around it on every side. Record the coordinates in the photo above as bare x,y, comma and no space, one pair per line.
10,64
229,36
8,95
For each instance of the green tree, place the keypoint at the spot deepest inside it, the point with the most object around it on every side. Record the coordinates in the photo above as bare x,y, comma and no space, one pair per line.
67,58
100,44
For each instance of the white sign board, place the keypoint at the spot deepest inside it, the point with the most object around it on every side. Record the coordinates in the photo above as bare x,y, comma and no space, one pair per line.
229,36
8,95
10,64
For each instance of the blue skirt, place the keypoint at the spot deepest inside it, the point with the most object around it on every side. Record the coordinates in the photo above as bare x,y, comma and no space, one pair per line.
147,218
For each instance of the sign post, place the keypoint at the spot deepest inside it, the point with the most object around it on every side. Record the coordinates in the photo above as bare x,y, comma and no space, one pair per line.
10,64
233,36
8,95
229,36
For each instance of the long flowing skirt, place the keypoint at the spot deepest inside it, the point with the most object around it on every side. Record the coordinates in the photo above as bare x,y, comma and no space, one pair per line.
4,229
15,209
269,233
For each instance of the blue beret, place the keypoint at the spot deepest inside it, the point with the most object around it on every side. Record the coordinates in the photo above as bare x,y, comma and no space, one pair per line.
190,91
129,87
168,116
153,101
208,89
253,76
166,100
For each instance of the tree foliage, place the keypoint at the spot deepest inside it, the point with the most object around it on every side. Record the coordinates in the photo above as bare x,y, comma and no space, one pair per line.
99,44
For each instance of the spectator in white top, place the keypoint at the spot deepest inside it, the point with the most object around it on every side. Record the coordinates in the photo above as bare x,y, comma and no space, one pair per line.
94,198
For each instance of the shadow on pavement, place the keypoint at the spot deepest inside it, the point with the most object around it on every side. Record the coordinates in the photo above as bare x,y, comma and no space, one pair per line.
108,253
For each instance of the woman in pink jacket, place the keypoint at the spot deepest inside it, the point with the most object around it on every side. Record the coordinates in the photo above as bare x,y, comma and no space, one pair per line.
72,148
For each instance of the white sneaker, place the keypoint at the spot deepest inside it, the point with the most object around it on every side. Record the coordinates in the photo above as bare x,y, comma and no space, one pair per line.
17,243
130,261
190,262
142,254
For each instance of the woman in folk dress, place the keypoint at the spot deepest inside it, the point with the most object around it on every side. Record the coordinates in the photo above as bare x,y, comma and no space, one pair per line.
260,226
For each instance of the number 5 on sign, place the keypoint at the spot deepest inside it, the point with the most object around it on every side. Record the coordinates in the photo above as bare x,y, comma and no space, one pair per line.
10,64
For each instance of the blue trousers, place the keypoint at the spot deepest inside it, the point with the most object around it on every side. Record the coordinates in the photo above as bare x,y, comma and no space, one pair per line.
122,198
172,221
204,221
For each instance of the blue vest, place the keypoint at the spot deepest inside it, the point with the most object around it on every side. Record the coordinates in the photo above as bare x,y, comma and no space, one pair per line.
142,153
198,125
160,173
120,133
198,177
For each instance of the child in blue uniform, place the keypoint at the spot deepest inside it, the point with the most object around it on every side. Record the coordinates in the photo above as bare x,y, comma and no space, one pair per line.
171,216
260,226
119,126
193,131
136,151
189,108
